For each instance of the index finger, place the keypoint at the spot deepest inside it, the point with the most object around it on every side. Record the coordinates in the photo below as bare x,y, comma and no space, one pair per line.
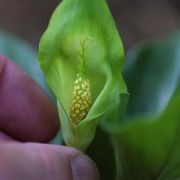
26,112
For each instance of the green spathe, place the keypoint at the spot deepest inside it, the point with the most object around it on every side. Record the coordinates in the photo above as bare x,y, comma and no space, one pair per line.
73,22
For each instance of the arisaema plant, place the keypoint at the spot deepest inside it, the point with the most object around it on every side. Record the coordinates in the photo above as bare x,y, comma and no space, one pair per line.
81,55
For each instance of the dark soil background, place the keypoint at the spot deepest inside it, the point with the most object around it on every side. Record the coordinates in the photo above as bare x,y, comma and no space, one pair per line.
137,20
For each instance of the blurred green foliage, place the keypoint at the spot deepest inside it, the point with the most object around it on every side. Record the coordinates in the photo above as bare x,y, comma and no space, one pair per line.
22,54
146,142
150,140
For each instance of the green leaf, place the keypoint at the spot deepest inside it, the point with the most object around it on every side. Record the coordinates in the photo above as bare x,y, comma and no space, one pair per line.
22,54
78,44
147,143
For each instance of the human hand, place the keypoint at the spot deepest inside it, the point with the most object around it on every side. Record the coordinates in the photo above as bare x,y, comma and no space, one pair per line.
28,118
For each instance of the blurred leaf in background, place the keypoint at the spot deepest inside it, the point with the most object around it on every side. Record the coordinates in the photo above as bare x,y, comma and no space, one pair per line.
147,143
150,142
23,55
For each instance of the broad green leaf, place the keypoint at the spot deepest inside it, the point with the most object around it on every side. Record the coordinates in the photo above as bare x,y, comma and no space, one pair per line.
147,143
78,47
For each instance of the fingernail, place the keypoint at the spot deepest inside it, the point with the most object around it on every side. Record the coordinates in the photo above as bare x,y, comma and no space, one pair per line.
83,168
2,62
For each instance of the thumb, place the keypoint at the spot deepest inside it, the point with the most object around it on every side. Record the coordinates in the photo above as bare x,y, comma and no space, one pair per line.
19,161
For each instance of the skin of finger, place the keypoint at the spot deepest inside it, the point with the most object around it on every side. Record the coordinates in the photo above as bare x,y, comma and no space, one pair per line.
5,138
26,112
35,161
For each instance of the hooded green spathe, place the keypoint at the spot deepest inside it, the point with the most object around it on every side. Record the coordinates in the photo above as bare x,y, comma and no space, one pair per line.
82,43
